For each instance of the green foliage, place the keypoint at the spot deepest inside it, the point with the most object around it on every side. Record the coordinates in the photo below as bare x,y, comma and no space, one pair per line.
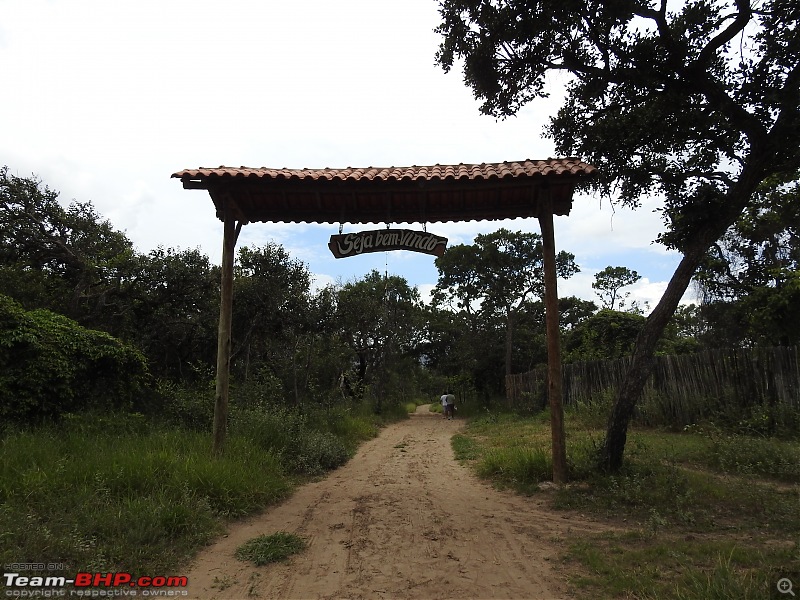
499,272
51,366
379,318
170,311
352,425
464,447
607,334
113,492
67,260
610,334
488,287
272,314
266,549
190,407
751,278
723,582
287,434
522,468
609,281
758,456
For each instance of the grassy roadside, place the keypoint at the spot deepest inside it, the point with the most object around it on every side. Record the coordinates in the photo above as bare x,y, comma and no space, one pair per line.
696,515
118,493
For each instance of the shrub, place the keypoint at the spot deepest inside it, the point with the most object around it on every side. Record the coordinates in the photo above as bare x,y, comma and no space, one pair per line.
287,433
190,407
50,365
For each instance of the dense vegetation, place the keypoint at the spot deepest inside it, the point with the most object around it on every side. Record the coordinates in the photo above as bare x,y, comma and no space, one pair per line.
107,354
694,102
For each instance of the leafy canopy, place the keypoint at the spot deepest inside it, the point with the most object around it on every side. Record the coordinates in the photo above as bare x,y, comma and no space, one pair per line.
498,273
608,283
685,99
750,278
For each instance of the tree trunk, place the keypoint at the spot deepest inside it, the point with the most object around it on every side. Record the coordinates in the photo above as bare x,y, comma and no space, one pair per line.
718,221
630,391
509,345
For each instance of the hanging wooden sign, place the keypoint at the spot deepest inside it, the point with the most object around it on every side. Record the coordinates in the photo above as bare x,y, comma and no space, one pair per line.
380,240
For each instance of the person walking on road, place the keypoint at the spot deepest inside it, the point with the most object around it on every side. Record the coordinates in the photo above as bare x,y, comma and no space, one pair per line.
448,405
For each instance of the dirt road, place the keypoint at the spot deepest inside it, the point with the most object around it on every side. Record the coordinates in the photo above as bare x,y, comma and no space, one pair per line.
401,520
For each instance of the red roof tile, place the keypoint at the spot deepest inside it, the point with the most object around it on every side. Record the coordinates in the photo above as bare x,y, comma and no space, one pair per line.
526,168
392,194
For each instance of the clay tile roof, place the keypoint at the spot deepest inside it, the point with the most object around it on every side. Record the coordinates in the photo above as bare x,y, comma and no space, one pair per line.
526,168
392,194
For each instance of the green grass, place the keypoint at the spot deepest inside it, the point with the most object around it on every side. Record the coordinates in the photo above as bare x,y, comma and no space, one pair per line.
266,549
138,502
698,514
118,493
520,467
465,448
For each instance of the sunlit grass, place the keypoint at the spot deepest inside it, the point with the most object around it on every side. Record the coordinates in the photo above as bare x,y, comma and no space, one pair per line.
698,514
266,549
113,493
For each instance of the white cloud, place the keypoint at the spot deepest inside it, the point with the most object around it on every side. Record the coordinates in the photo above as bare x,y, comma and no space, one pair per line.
110,98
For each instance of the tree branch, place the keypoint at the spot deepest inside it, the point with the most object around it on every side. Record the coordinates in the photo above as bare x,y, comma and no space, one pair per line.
739,23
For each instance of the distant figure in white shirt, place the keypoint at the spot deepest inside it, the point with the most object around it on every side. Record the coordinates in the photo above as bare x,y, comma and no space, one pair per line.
448,405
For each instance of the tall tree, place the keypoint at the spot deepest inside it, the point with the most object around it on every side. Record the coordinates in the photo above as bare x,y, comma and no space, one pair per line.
496,276
69,260
608,283
697,102
271,313
750,278
379,318
171,310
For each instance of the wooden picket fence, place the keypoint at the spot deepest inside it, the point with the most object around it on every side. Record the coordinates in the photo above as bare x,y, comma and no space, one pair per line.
682,388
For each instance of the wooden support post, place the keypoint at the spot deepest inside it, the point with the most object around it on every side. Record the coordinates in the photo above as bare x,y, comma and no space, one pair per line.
224,335
554,391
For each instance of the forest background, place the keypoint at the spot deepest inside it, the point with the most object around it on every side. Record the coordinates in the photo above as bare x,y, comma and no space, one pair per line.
108,354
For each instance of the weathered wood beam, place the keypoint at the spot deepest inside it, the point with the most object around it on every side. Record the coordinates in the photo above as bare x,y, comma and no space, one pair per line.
230,234
554,386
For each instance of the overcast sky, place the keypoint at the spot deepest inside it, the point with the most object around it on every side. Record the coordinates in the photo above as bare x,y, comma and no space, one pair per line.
105,100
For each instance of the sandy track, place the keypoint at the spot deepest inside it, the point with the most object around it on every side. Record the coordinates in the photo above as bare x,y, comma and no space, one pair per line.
401,520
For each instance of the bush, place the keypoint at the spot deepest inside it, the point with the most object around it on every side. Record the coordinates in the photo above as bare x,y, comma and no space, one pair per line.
190,407
287,433
50,365
314,452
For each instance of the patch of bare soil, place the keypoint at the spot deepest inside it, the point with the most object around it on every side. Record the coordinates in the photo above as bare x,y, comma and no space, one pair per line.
402,519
